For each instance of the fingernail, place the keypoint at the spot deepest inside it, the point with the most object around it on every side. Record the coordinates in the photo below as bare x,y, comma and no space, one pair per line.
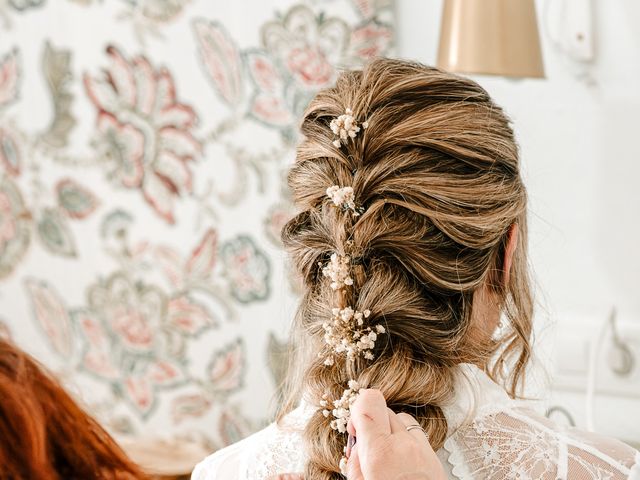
351,441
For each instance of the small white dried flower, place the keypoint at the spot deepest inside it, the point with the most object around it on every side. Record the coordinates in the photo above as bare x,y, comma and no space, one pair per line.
345,127
338,270
343,197
341,411
346,334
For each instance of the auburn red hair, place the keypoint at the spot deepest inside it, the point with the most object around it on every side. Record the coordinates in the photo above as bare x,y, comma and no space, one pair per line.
44,434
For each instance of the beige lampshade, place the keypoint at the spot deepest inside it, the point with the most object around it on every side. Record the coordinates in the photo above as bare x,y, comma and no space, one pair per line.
495,37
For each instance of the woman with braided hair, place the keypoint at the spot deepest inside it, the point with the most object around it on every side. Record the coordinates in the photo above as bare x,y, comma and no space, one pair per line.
411,242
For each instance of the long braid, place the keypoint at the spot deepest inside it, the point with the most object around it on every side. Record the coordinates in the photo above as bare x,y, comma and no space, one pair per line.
407,182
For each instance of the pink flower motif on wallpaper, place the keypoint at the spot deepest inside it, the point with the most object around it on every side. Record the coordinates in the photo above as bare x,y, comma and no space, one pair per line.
268,104
309,66
307,45
224,376
133,340
370,40
133,311
196,269
299,57
144,130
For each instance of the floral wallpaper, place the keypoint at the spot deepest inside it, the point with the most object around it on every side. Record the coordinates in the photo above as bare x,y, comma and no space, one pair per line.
143,148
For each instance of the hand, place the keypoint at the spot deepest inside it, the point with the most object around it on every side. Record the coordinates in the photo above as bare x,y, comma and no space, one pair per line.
385,450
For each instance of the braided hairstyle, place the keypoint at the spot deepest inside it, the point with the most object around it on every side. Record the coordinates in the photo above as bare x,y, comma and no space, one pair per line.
435,176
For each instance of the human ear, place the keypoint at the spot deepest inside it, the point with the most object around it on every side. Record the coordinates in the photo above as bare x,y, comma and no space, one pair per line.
512,242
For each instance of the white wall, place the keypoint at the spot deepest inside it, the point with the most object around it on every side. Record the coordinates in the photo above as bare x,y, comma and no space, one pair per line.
580,146
579,132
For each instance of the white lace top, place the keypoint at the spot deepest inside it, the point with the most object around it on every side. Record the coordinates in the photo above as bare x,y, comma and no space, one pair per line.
490,437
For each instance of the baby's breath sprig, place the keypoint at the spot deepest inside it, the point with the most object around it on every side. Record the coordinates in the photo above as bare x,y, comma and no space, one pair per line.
340,410
346,334
338,271
345,127
343,197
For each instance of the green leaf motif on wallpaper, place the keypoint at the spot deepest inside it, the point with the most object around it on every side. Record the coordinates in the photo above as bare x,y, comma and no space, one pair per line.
76,201
10,77
221,60
226,369
189,406
278,358
22,5
54,233
56,65
247,269
233,426
51,315
9,152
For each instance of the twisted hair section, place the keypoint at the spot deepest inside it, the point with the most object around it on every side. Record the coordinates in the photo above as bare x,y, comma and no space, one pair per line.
435,178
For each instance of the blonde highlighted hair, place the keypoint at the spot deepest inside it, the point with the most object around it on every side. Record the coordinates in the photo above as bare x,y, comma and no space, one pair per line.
436,173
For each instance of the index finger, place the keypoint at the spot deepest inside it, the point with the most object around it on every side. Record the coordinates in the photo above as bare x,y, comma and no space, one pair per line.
369,417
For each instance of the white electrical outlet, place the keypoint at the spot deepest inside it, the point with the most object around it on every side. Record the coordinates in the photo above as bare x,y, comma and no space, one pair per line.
618,367
617,363
596,375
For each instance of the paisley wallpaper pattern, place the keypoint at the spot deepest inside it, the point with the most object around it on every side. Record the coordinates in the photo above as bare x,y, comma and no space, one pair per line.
143,146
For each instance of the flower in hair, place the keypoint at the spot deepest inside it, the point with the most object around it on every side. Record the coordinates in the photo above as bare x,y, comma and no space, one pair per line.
338,270
340,409
347,335
343,197
345,126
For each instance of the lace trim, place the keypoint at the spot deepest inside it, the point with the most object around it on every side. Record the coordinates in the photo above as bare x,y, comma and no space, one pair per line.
490,437
283,452
459,465
518,445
